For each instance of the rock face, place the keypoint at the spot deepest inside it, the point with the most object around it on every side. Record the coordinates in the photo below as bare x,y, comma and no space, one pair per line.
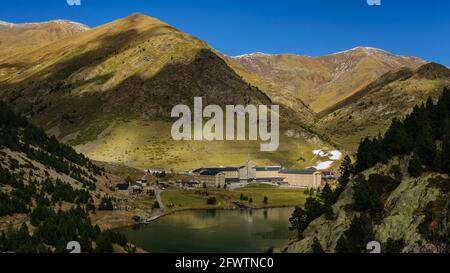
414,212
327,232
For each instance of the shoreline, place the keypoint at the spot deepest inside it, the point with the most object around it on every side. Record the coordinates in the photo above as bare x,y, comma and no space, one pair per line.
156,217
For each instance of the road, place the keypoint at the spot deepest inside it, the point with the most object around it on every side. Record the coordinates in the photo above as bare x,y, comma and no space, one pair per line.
157,195
159,199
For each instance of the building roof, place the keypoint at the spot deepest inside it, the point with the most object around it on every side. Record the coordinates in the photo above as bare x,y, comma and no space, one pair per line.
232,180
305,171
269,168
226,169
211,172
122,186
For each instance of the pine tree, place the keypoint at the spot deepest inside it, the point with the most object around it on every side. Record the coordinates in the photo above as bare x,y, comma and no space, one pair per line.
328,212
346,169
314,209
355,239
316,247
394,246
445,155
327,195
396,141
364,155
106,203
104,244
415,166
298,221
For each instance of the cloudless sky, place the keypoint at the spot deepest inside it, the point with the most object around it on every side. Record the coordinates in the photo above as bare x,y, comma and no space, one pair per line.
307,27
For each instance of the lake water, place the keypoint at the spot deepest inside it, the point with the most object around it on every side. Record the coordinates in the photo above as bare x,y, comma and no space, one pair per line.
215,231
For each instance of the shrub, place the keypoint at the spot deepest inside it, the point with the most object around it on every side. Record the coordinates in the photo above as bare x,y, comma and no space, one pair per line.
211,200
155,205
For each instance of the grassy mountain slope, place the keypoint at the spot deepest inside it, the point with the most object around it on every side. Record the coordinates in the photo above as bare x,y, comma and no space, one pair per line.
15,39
318,81
369,111
109,92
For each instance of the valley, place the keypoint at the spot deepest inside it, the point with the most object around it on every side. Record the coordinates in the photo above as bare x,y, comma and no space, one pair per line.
86,133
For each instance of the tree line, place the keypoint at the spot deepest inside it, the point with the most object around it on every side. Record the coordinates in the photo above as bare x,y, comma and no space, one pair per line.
42,198
18,134
424,135
53,228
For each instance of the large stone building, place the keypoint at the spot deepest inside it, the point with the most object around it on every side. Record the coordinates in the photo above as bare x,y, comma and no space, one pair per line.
212,178
309,178
248,173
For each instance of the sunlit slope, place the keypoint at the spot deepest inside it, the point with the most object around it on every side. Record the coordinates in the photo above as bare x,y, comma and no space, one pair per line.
144,144
107,90
318,81
370,111
15,39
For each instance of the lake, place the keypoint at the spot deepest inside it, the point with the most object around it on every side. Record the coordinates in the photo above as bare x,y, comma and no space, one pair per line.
215,231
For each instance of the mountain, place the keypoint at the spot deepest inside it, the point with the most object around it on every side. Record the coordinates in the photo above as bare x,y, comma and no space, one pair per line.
49,194
17,38
109,92
397,193
320,82
369,111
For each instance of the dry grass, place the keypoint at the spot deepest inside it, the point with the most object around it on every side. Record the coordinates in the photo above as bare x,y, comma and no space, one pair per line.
146,145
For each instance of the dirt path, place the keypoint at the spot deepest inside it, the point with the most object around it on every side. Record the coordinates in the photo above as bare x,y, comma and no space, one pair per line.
159,199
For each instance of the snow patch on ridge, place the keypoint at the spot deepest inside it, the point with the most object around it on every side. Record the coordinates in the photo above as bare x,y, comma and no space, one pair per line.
365,48
73,25
252,55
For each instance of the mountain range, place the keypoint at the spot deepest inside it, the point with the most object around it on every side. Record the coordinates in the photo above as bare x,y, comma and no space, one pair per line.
108,91
321,81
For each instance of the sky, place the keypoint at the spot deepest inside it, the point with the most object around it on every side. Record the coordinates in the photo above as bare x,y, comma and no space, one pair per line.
306,27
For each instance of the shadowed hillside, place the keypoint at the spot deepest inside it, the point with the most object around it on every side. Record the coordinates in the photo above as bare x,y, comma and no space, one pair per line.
129,74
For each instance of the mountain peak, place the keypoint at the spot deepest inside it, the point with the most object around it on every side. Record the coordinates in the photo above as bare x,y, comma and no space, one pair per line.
364,49
137,17
254,54
70,24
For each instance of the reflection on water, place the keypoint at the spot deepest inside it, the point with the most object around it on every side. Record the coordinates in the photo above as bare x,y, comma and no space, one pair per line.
229,231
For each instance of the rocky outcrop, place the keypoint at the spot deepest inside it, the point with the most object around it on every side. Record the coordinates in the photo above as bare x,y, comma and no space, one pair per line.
414,212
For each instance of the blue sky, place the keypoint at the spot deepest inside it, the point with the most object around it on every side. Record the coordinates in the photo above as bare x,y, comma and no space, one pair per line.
307,27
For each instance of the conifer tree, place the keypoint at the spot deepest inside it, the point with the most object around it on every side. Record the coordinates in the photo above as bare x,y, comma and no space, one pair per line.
415,166
316,247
